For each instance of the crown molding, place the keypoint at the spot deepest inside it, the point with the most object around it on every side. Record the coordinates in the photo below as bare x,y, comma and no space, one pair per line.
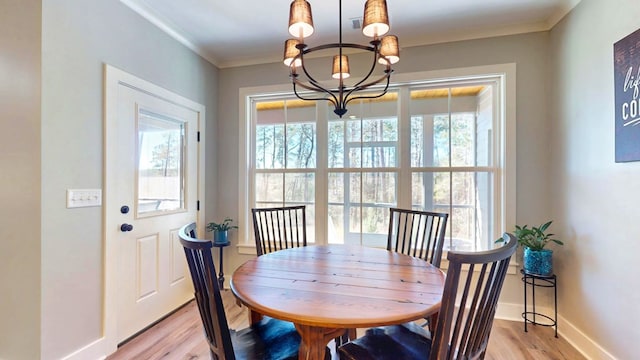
168,27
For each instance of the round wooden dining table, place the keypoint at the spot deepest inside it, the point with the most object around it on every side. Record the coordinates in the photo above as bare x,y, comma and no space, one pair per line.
327,289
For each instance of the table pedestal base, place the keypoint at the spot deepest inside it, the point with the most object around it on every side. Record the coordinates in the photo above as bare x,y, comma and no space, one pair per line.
314,340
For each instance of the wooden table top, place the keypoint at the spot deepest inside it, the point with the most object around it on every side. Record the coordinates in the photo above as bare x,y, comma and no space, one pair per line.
339,286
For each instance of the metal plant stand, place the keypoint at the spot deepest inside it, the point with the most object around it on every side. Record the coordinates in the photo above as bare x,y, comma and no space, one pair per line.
221,246
549,281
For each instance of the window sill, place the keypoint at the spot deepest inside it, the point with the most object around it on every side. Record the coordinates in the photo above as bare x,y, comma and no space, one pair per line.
246,249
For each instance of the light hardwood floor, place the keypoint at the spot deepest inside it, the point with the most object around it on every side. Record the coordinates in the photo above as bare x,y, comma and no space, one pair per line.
180,336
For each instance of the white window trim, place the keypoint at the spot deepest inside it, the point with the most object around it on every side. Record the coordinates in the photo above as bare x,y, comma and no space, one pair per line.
507,160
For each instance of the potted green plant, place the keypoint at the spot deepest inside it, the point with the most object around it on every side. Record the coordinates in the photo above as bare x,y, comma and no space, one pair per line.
221,231
537,258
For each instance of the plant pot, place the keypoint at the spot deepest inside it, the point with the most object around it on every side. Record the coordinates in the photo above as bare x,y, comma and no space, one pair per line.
538,262
220,237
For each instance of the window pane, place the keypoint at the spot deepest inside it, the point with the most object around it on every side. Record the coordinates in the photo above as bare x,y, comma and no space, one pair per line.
336,144
484,127
462,139
300,188
451,126
440,141
311,223
378,147
336,188
368,201
160,163
441,189
418,150
270,146
467,198
269,188
336,224
379,188
379,156
301,145
368,226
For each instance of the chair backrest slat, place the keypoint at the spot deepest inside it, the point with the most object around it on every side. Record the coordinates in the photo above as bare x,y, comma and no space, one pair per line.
469,301
279,228
207,293
417,233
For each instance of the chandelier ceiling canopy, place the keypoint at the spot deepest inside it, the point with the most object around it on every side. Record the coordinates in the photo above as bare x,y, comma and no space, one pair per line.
384,49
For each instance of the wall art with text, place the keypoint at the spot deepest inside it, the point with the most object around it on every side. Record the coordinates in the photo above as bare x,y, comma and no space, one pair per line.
626,57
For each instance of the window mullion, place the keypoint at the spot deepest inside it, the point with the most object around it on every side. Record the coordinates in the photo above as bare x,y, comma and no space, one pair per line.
403,188
322,175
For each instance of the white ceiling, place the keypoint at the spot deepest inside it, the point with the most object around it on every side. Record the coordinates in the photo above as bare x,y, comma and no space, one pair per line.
242,32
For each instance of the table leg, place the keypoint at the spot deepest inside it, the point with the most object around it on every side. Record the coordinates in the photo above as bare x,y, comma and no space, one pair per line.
254,317
315,340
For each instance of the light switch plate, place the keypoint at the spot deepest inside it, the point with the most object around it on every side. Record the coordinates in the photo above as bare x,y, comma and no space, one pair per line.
84,198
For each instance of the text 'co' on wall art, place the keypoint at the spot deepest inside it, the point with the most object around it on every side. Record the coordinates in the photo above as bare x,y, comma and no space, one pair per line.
626,58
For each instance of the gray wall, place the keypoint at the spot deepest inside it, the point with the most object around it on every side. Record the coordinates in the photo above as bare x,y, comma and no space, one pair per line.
594,200
20,179
529,52
79,37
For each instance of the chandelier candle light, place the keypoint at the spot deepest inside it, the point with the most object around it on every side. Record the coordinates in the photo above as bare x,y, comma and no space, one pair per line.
384,48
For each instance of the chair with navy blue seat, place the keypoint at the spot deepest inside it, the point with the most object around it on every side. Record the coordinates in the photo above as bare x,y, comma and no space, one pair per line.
269,339
472,287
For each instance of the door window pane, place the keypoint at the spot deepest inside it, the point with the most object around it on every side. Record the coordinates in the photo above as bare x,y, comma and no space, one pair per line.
160,176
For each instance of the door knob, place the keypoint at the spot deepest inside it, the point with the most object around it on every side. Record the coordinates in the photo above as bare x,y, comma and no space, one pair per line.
126,227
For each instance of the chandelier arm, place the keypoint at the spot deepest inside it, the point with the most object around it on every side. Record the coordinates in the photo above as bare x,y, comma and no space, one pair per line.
317,86
386,77
382,93
314,84
337,45
331,98
374,49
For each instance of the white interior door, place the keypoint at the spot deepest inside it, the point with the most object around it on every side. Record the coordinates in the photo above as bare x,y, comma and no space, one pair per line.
151,191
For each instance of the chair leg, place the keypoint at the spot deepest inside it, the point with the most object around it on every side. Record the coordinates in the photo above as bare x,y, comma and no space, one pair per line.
348,335
433,321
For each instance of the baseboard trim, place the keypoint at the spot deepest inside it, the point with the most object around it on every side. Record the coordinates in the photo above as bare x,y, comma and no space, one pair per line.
589,348
94,350
581,342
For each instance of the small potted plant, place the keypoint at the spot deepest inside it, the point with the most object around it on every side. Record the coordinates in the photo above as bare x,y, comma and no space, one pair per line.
537,258
221,231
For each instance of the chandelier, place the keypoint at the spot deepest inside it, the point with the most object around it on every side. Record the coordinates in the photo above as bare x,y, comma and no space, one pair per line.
384,50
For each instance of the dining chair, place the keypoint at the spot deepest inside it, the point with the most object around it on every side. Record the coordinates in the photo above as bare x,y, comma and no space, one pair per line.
285,227
268,339
417,233
472,287
279,228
